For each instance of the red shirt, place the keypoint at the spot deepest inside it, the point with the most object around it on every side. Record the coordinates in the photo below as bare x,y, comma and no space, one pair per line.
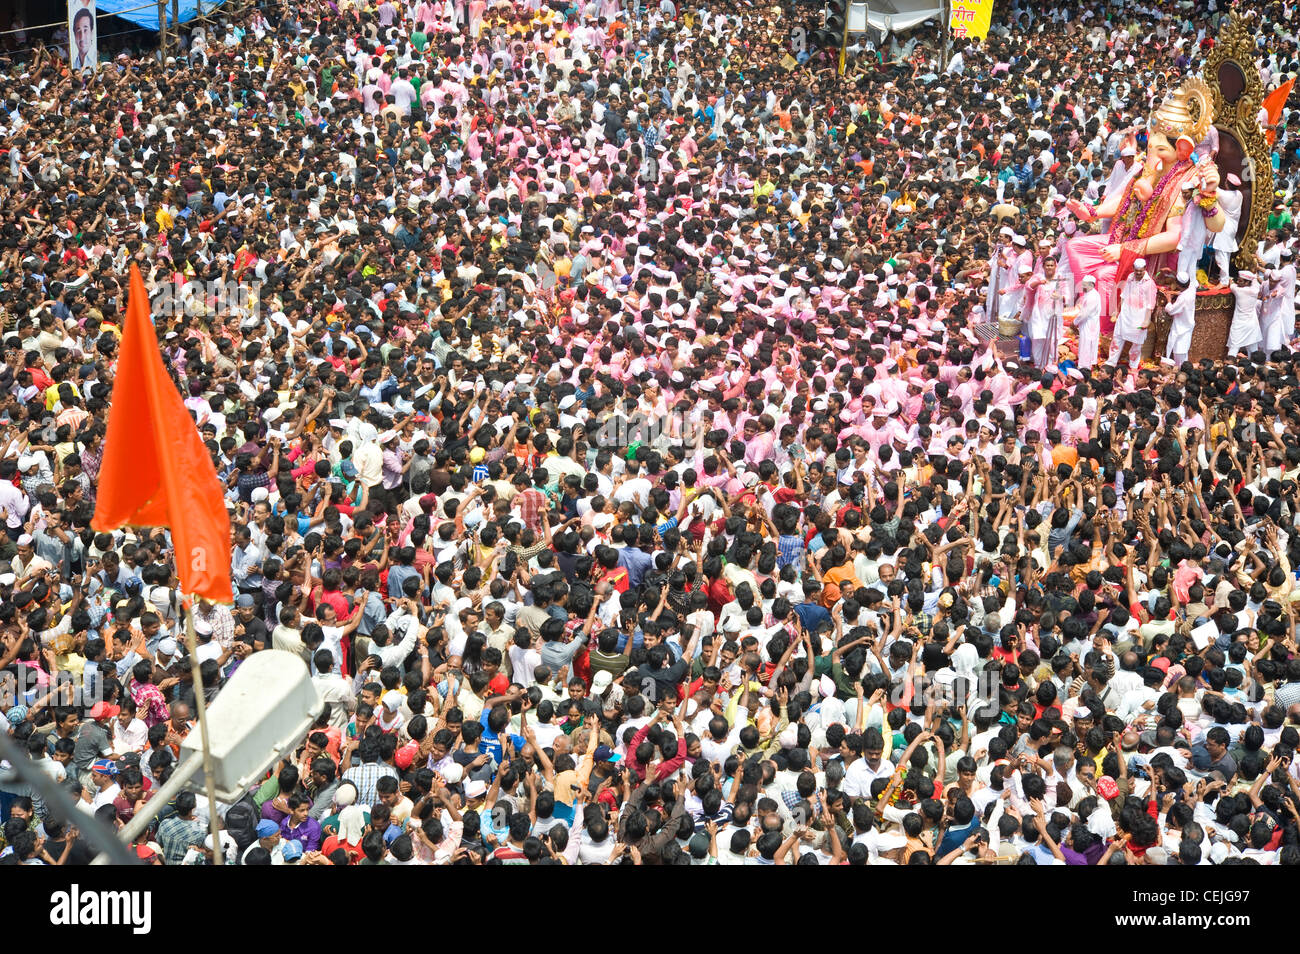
337,600
719,596
617,578
332,843
40,379
1004,655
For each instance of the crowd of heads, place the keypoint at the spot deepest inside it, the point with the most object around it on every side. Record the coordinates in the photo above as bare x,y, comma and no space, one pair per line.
600,404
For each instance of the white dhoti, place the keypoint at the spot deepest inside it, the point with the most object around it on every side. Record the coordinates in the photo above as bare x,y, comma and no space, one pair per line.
1088,324
1244,333
1044,321
1137,301
1225,240
1270,324
1010,304
1285,276
1191,241
1182,315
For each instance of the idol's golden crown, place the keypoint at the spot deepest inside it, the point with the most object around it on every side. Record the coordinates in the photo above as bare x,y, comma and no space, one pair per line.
1187,111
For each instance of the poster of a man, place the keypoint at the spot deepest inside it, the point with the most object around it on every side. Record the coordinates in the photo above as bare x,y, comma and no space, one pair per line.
82,28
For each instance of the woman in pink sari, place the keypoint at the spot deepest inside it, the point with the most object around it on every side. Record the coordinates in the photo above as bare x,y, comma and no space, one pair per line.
1146,215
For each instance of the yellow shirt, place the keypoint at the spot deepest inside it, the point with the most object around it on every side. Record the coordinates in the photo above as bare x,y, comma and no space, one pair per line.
1218,430
70,662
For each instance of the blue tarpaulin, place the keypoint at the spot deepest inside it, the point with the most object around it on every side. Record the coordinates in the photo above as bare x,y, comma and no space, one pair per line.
147,16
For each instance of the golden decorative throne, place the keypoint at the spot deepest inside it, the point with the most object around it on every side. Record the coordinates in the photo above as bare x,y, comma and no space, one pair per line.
1238,94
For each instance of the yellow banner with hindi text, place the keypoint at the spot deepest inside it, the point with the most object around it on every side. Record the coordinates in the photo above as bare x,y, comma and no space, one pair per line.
971,18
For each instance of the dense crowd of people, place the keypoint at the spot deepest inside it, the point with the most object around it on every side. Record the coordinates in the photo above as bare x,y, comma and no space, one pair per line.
608,418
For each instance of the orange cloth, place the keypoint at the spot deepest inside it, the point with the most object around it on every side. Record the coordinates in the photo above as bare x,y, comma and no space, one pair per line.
156,471
1064,454
1273,104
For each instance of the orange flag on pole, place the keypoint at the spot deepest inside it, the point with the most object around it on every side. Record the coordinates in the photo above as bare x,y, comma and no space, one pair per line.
1273,104
156,471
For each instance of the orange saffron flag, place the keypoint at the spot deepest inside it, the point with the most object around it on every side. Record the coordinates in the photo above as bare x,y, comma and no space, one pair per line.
1273,104
156,471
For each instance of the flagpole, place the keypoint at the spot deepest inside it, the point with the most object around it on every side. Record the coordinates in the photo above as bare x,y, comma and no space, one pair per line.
201,707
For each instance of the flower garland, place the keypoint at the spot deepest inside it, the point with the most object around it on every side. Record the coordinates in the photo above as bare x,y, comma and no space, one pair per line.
1138,228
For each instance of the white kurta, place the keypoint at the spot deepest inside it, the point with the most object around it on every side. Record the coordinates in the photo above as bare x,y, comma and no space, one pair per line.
1137,299
1287,276
1046,308
1230,203
1271,256
1244,332
1010,304
1063,271
1088,324
997,281
1182,315
1045,321
1272,318
1191,240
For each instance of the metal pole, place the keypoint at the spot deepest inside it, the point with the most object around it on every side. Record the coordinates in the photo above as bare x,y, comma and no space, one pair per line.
201,707
56,798
945,51
140,821
844,39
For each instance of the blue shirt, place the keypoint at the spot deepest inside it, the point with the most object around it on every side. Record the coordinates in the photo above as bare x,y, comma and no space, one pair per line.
812,616
789,549
637,563
491,744
398,575
954,837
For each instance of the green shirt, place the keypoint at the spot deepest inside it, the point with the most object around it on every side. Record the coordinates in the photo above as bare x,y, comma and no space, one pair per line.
845,687
332,823
419,40
613,663
267,791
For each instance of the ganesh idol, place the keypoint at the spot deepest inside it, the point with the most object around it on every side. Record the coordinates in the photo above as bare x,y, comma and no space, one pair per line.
1148,216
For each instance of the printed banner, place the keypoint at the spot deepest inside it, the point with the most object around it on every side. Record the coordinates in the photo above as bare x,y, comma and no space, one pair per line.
83,35
971,18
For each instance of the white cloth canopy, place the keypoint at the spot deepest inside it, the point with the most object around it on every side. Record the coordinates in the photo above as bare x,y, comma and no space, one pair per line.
895,16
